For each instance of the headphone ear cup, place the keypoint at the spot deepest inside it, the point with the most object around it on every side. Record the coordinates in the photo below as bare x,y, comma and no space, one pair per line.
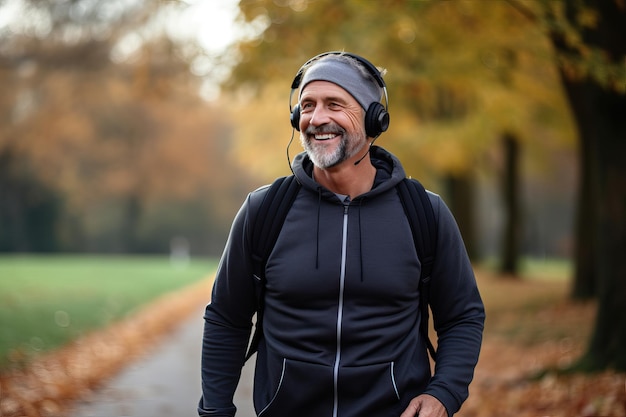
376,120
295,117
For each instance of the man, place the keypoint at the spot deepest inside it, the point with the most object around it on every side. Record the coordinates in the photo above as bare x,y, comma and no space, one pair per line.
341,309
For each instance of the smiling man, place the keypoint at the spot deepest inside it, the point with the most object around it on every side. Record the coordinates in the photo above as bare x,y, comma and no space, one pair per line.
341,306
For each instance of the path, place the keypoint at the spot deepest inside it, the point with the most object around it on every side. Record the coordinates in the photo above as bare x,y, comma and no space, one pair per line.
164,383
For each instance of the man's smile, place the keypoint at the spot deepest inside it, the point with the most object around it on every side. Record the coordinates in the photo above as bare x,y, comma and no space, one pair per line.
324,133
326,136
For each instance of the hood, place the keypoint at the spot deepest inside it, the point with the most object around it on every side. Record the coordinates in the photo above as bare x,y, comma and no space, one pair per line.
389,173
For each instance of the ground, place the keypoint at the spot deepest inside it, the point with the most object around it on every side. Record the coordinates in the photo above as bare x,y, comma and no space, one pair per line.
532,330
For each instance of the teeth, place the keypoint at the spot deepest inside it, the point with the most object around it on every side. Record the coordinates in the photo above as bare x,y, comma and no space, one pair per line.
325,136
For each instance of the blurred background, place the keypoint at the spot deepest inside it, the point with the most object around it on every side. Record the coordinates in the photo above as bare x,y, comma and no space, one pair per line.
131,125
139,127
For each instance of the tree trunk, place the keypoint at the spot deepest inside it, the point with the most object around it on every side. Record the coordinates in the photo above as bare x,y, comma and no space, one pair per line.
461,191
29,210
130,224
608,344
510,193
584,283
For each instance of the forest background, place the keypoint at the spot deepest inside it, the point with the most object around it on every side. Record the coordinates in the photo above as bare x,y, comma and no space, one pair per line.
108,145
122,133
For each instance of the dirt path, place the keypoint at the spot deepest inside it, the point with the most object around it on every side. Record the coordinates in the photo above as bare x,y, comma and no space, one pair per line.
164,383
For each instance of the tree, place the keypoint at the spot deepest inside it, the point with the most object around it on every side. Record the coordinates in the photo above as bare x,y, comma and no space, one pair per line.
29,212
461,74
510,191
101,110
587,39
594,75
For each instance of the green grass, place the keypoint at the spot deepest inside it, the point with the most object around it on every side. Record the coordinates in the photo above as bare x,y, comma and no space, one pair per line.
551,269
47,301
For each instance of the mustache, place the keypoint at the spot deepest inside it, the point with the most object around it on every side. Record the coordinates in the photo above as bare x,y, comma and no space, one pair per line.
327,128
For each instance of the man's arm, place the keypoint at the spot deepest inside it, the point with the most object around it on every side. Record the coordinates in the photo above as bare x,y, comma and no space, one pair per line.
458,315
228,321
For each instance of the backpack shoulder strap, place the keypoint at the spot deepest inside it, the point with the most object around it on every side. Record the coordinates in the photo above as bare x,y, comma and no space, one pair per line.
419,211
269,220
265,225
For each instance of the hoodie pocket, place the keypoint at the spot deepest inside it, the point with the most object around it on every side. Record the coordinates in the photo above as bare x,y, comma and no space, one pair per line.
368,390
303,390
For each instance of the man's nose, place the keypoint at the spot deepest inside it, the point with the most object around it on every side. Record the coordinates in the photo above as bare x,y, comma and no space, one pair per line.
319,116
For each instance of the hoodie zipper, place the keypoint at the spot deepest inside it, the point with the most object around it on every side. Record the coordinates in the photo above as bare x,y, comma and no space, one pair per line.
342,280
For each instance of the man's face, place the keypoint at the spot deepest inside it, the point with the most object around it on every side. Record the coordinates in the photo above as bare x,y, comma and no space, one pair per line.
331,124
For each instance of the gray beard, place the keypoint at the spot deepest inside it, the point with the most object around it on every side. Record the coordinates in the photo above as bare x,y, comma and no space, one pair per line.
323,159
317,151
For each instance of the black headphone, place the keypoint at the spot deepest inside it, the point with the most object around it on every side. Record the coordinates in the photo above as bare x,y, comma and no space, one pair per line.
376,116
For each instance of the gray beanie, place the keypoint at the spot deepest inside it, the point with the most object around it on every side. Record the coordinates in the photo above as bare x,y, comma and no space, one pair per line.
364,89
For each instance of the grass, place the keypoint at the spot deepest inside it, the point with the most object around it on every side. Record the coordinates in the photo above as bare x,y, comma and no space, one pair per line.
48,301
542,269
547,269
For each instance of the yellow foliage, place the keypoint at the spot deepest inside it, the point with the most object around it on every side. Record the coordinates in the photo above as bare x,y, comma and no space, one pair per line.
262,131
459,75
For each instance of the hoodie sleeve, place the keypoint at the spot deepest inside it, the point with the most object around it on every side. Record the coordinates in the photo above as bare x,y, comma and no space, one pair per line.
458,314
228,321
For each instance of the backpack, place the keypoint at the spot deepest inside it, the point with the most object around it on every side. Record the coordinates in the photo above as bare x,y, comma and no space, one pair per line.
271,214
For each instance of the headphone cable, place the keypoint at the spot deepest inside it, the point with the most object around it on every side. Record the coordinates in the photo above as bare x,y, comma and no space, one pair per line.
293,131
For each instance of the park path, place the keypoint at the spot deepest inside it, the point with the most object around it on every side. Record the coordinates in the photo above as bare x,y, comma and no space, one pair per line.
163,383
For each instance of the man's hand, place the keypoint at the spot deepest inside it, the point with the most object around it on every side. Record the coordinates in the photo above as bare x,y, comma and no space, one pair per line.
425,406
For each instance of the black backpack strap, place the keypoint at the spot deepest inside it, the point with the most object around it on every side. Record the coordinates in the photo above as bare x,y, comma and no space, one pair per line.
266,224
419,211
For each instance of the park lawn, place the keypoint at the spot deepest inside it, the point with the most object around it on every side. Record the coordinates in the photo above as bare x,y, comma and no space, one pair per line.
48,301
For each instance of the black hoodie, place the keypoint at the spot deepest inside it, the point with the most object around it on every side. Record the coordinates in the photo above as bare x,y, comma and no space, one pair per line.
341,321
